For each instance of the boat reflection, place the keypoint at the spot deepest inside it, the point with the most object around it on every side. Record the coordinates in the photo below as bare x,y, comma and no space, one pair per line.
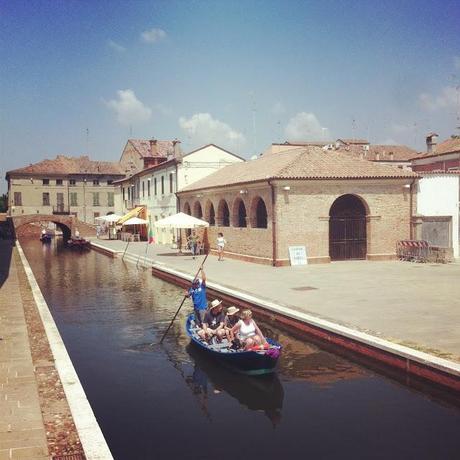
263,393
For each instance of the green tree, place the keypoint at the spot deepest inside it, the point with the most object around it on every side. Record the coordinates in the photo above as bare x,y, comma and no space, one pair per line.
3,202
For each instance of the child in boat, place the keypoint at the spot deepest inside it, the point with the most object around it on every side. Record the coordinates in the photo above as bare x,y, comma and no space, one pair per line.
248,331
231,318
213,323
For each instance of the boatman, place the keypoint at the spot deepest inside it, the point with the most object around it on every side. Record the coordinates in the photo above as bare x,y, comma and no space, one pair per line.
197,292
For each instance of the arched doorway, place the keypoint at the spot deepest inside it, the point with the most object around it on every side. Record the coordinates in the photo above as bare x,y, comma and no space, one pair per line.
347,229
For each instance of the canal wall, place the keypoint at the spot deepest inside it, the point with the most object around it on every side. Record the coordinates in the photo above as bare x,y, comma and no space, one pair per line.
92,440
405,360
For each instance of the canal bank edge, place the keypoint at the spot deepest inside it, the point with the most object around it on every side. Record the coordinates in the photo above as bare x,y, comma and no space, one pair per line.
92,439
413,362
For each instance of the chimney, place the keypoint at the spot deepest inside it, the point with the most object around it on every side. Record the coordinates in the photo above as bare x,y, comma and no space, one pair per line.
431,141
177,149
392,156
153,147
377,156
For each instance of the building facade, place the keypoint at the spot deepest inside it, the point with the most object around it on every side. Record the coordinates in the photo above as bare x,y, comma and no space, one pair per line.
155,187
443,157
336,206
65,185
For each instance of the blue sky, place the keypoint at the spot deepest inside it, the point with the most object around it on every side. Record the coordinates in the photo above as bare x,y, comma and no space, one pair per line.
81,76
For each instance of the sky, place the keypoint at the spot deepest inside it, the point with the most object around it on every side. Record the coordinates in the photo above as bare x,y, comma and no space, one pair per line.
81,77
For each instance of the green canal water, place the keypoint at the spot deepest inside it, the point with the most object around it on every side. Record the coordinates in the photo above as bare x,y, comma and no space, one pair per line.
171,402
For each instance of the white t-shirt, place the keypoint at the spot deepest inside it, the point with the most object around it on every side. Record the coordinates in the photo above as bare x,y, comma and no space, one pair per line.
221,241
247,330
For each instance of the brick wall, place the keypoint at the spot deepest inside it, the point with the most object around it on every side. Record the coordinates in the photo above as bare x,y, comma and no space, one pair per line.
302,216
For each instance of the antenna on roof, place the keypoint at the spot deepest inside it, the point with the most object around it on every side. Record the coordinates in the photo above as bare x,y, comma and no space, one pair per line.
87,141
353,128
130,131
253,120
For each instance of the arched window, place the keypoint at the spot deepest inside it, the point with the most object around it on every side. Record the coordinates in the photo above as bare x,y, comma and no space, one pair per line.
212,215
197,211
261,214
187,209
241,214
223,214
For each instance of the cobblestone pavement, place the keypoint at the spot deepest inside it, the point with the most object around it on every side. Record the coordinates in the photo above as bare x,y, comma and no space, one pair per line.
35,420
416,305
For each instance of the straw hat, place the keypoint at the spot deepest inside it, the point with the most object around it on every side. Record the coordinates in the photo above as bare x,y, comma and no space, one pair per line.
232,310
215,303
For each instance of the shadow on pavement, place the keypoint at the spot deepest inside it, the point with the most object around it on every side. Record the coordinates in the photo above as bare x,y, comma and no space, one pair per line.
6,249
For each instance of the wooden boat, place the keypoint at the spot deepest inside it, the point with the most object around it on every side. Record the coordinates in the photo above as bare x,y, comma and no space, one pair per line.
78,243
45,238
251,362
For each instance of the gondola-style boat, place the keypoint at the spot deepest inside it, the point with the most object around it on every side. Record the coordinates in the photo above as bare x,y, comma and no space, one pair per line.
250,362
78,243
45,238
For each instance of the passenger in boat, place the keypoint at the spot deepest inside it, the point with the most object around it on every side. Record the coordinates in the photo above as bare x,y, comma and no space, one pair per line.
77,234
231,318
197,292
214,322
248,331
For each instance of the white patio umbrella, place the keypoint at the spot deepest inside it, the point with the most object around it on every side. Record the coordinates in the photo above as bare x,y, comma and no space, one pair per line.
134,221
109,218
181,220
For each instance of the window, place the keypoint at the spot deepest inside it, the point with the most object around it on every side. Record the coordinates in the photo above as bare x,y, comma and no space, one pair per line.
212,215
17,199
223,214
241,214
73,199
72,182
143,189
58,181
155,186
46,182
96,199
110,182
123,191
96,182
171,183
110,199
46,199
148,187
96,215
129,193
162,185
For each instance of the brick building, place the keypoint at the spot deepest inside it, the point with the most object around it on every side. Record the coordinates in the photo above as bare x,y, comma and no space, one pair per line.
337,206
443,157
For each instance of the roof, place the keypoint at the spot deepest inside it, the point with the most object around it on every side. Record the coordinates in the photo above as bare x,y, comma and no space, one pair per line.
354,141
63,165
384,152
142,172
217,147
142,146
311,163
451,145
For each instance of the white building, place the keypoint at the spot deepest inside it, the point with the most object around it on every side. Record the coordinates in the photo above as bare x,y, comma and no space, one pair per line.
438,198
155,187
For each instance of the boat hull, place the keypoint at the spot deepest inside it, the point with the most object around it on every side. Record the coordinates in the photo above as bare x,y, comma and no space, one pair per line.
246,362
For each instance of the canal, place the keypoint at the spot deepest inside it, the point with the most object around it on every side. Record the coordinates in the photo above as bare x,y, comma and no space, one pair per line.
171,402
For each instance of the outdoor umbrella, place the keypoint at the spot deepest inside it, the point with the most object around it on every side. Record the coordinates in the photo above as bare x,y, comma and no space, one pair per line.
109,219
181,220
134,221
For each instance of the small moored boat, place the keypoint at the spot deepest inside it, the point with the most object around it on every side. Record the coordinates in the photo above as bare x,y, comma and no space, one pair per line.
79,243
251,362
45,238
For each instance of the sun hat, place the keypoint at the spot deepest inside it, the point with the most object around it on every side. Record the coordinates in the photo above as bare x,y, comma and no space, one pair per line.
215,303
232,310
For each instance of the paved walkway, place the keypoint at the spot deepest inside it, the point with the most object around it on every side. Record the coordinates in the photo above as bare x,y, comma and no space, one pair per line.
22,430
417,305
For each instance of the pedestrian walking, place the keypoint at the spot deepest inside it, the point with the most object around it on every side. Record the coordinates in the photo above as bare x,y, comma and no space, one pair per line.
221,242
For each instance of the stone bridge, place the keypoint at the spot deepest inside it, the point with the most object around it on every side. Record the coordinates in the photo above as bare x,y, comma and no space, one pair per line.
66,223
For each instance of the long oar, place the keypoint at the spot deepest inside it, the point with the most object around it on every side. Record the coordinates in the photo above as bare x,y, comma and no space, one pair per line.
183,300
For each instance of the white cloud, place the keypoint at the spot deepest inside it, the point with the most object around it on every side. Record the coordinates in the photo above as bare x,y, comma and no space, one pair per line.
116,46
457,62
447,98
305,126
129,108
202,128
153,35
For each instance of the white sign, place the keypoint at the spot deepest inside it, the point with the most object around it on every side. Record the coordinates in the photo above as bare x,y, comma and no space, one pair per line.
298,255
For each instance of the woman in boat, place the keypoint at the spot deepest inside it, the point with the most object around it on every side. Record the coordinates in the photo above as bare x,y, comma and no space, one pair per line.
248,331
231,319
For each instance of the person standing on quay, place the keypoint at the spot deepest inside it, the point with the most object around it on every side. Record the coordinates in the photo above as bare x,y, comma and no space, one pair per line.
221,242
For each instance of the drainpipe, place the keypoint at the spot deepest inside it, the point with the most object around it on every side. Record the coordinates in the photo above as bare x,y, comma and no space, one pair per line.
274,248
411,209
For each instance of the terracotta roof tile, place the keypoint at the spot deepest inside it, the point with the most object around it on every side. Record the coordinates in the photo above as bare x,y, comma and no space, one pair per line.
303,163
448,146
384,152
164,148
70,165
